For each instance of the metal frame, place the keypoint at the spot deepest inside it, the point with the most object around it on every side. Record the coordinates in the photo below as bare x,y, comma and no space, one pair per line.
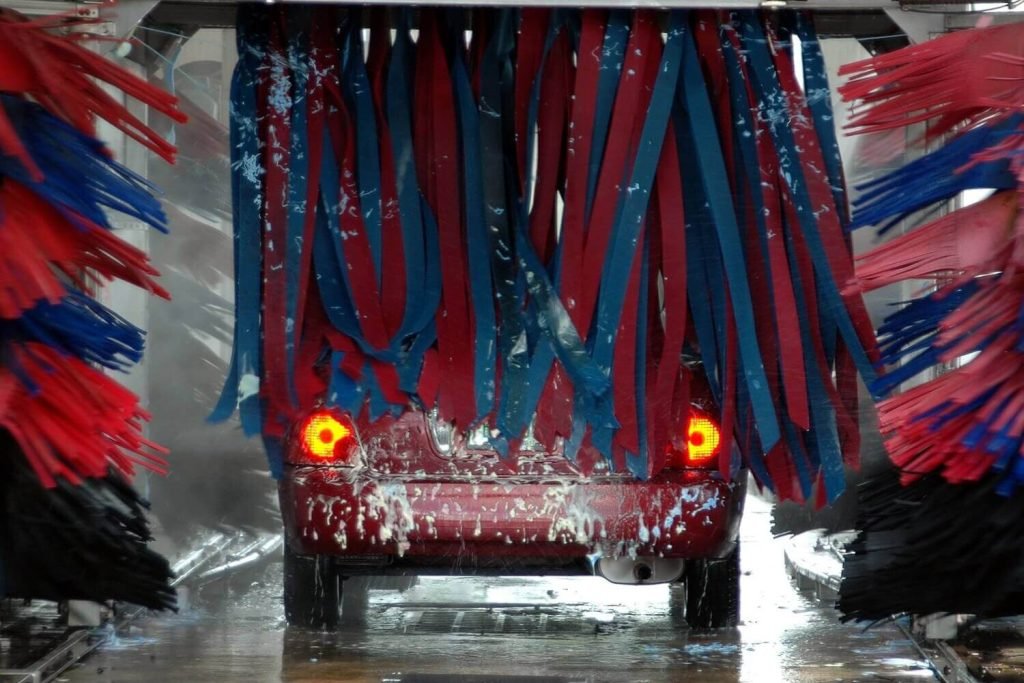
867,20
835,18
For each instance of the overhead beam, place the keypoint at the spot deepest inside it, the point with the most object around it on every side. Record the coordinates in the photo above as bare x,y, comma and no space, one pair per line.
862,23
192,13
827,5
958,22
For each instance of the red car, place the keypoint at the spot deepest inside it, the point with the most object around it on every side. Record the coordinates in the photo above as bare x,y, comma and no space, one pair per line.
409,496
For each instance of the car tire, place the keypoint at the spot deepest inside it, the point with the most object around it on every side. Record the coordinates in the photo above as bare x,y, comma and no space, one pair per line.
312,591
713,592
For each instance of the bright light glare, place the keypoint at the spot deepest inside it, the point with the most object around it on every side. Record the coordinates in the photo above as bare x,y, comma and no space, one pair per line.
322,433
702,439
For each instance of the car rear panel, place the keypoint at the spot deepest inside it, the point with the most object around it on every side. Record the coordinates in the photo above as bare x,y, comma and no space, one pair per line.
423,492
421,445
336,511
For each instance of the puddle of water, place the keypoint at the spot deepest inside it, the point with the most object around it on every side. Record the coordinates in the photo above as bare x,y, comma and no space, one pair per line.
558,629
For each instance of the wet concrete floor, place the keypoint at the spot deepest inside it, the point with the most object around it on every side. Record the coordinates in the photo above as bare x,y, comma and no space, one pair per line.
515,630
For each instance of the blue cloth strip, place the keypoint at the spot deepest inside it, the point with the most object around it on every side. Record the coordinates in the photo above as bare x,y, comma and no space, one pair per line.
500,215
694,98
477,244
822,440
766,85
819,100
241,389
637,463
520,326
613,51
368,178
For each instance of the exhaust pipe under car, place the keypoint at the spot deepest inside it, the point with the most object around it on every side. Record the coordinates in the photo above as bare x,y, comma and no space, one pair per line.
641,570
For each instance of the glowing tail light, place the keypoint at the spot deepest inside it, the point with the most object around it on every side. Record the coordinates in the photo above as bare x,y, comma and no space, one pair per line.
327,438
702,444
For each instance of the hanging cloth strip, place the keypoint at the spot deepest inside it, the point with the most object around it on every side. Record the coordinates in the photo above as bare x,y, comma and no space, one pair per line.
698,118
419,230
742,170
444,163
436,140
242,386
821,227
374,332
556,397
547,88
494,75
553,413
836,357
477,243
619,279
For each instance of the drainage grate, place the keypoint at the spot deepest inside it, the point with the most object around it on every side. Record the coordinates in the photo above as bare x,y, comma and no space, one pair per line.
473,678
489,621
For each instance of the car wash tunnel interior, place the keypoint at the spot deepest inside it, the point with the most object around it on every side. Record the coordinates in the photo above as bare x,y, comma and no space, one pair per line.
543,343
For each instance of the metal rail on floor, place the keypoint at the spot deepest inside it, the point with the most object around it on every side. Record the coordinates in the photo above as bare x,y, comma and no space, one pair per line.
943,659
195,565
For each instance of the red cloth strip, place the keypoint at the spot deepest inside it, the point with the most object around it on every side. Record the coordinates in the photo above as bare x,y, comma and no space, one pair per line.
832,233
577,158
788,347
552,131
624,361
393,278
577,161
805,263
670,232
276,152
630,105
533,28
362,273
709,48
315,123
440,175
554,411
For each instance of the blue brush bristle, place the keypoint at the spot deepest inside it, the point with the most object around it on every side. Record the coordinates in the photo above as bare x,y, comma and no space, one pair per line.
934,177
79,177
79,326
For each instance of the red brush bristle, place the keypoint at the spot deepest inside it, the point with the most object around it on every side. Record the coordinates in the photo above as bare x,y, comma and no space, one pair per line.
67,78
964,242
38,246
949,80
70,419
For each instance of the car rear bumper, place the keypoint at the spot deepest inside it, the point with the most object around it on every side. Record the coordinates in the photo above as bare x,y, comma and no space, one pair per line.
331,511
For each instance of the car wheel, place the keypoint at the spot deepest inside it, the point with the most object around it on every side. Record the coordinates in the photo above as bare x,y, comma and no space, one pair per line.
312,591
713,592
